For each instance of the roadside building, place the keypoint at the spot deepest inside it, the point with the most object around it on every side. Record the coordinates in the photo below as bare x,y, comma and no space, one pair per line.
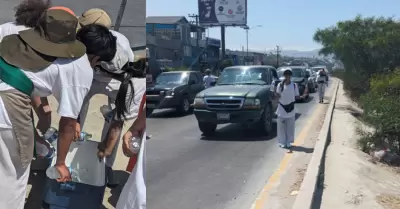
174,42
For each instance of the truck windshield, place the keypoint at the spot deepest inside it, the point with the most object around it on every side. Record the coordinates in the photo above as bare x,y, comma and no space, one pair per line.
173,78
296,72
231,76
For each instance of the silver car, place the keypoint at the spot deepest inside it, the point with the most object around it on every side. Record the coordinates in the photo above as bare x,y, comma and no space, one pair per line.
312,81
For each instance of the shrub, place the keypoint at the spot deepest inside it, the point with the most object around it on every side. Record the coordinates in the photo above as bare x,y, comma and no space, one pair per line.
382,110
354,83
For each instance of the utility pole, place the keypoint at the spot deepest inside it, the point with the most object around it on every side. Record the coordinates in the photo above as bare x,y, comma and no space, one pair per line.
120,15
278,51
196,21
222,42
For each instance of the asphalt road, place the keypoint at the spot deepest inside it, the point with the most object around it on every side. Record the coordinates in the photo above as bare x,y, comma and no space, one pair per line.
188,171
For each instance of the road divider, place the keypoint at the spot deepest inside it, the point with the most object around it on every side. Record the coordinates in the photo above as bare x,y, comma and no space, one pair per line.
309,186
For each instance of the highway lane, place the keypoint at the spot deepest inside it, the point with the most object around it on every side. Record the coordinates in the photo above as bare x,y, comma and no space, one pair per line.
188,171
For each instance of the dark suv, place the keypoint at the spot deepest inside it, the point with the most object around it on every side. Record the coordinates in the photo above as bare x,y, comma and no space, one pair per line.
243,94
174,90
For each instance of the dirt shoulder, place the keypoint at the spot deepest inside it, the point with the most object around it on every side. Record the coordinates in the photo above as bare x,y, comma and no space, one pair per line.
352,180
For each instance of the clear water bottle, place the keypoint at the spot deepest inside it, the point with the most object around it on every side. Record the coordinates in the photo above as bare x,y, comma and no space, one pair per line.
44,152
51,136
84,136
135,144
52,173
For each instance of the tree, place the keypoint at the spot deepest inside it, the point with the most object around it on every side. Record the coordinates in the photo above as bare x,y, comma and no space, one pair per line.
365,45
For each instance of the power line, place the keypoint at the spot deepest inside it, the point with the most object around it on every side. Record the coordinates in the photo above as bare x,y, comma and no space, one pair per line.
120,15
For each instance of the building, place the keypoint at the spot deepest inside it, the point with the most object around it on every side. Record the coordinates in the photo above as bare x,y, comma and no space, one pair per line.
173,42
133,22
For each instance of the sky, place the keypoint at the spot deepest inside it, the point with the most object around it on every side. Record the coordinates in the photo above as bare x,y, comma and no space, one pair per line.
290,24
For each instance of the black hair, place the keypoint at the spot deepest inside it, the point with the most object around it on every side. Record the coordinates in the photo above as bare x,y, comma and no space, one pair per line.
29,12
99,41
123,100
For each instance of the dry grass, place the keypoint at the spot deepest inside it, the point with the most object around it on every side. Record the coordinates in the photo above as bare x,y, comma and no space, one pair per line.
389,201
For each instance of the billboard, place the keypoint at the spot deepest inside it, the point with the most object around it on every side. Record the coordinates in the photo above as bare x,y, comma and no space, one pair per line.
222,12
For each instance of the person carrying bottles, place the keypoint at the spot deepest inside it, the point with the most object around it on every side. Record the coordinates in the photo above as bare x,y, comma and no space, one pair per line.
287,92
124,85
322,80
42,61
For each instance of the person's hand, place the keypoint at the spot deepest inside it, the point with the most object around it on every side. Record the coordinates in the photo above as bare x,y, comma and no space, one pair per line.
126,145
77,131
102,151
65,175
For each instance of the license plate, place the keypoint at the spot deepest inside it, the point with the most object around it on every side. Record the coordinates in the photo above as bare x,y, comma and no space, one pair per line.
151,106
223,116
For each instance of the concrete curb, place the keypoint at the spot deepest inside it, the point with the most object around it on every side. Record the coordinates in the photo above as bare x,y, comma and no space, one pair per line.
308,188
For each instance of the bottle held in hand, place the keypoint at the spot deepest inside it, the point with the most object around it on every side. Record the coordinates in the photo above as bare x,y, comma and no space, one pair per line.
51,136
52,173
135,144
44,152
84,137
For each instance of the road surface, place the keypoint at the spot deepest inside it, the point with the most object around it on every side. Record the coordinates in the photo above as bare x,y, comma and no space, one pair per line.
186,170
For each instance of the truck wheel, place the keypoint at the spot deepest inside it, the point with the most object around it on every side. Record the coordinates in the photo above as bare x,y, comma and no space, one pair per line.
184,106
207,128
265,123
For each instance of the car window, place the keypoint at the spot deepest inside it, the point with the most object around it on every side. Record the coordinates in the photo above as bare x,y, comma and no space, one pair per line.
194,78
199,76
268,75
243,75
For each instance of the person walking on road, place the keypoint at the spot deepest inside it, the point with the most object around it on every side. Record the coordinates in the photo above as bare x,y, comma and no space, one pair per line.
322,80
287,92
208,79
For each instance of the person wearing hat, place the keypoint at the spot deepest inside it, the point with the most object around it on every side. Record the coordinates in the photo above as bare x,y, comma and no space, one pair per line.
108,81
100,17
27,15
322,80
208,79
43,61
287,92
124,85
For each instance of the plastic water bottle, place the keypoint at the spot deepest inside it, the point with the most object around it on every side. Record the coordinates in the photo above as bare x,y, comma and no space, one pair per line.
84,136
135,144
51,136
44,152
52,173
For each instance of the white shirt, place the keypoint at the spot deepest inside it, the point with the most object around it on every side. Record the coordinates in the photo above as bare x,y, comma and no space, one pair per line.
208,80
10,28
69,80
288,95
123,42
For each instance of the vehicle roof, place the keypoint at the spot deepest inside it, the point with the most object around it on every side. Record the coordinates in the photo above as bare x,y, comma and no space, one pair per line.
250,66
183,71
285,67
319,66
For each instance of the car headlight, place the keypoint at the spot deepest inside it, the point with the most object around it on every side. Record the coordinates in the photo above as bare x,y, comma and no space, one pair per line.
167,93
252,103
199,102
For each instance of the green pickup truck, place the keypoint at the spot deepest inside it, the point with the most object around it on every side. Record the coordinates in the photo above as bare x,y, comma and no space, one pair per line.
243,94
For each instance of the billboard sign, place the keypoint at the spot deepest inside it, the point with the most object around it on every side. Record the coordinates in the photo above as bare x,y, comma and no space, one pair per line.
222,12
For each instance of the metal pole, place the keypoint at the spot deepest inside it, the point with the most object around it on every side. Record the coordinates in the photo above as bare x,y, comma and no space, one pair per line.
247,42
222,42
120,15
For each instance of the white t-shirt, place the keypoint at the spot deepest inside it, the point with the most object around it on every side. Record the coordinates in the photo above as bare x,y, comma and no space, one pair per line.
288,95
124,43
69,80
208,80
10,28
